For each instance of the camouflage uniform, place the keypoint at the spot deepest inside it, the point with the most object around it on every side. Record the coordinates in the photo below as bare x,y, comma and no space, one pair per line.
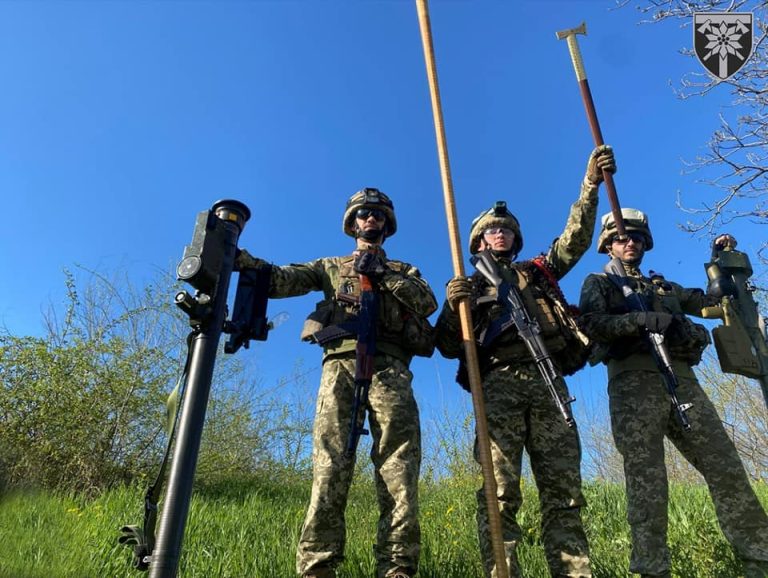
520,411
392,412
641,416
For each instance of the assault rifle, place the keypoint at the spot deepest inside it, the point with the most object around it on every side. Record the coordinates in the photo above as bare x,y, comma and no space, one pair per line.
616,273
364,361
741,342
527,328
364,328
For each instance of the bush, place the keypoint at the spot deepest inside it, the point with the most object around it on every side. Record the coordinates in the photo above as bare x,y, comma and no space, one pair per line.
83,407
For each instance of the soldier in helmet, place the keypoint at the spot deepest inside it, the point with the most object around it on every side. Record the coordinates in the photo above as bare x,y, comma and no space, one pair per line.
402,331
641,413
520,410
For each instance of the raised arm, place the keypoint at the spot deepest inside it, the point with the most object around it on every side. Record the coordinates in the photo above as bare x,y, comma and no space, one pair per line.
576,238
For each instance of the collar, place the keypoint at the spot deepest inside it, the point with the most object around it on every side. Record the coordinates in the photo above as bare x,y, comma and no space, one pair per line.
633,270
363,245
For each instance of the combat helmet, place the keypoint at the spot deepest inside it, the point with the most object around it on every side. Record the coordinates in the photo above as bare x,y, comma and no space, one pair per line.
634,220
369,198
496,216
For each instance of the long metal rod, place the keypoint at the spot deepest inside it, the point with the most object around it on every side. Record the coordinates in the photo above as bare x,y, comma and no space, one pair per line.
465,315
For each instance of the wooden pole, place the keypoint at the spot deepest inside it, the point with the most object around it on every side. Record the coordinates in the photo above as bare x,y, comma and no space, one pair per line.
465,315
594,126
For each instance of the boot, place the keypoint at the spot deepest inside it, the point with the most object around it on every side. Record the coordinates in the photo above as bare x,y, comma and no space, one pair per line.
321,573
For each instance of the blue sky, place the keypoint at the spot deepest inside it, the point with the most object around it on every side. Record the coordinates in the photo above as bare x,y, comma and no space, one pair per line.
119,121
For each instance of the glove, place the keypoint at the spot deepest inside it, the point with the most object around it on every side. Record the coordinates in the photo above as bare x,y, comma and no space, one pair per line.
601,159
654,321
372,265
457,289
244,260
723,241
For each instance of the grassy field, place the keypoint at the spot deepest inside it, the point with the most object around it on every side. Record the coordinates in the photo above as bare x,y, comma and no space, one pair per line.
249,530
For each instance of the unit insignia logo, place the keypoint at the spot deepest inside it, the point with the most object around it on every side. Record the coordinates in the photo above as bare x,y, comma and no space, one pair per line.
722,41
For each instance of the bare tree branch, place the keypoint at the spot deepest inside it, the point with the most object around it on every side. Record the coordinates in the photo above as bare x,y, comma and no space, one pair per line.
736,160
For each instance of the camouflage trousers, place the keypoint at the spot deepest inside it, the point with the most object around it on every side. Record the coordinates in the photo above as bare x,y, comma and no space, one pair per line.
521,415
393,420
641,415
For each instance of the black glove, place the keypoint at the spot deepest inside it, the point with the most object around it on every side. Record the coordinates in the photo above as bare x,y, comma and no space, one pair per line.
654,321
370,264
724,241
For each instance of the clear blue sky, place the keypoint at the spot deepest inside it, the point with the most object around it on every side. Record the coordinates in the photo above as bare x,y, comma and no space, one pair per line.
119,121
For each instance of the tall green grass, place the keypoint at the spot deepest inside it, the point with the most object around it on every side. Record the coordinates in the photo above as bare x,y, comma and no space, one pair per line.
249,530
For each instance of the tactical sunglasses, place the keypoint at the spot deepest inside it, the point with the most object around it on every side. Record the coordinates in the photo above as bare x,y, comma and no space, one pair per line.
636,238
490,232
365,213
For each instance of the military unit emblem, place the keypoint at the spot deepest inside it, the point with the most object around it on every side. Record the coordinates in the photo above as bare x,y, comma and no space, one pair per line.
722,41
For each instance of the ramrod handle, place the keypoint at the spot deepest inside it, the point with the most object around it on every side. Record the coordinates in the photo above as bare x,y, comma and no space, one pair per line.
594,124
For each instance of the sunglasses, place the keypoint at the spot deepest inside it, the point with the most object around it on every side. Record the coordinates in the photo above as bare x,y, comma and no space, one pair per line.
375,213
496,230
636,238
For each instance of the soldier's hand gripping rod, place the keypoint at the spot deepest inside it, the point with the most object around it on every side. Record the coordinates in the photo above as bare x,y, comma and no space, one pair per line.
470,348
586,95
617,273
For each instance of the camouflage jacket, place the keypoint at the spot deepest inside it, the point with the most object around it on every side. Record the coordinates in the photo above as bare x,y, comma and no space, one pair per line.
403,295
608,321
538,291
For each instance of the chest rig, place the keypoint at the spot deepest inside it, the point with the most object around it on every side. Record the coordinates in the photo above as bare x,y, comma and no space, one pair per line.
346,299
395,323
544,302
685,339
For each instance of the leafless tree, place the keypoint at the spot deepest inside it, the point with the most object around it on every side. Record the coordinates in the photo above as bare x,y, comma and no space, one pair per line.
736,161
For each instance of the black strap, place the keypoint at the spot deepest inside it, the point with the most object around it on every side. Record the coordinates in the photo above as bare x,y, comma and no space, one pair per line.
332,332
142,538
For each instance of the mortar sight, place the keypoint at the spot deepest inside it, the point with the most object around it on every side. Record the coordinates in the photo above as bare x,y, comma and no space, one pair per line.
201,264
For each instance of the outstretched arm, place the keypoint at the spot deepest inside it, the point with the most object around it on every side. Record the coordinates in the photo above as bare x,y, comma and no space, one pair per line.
289,280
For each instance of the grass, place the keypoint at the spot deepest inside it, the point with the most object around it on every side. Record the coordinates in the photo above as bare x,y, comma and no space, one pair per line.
249,530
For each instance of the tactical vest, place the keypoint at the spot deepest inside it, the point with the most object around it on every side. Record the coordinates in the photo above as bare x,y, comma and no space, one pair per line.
685,340
399,331
544,301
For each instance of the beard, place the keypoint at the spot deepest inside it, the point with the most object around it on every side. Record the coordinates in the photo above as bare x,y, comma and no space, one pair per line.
371,235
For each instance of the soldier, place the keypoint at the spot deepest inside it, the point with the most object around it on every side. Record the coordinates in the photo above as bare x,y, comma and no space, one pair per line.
404,302
520,411
641,413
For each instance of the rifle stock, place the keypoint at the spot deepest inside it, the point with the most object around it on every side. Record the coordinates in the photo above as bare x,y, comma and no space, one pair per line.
527,328
618,276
